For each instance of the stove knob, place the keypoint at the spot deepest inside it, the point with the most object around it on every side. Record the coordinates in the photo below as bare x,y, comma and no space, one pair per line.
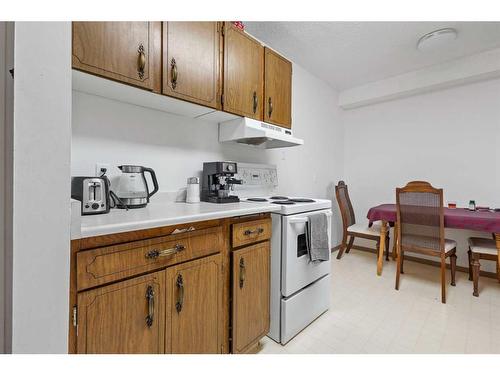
230,168
95,206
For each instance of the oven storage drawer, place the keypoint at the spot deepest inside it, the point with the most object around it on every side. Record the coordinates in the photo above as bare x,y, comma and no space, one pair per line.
250,232
106,264
299,310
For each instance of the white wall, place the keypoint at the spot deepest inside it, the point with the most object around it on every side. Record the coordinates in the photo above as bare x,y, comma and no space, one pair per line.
450,138
41,169
7,183
2,184
117,133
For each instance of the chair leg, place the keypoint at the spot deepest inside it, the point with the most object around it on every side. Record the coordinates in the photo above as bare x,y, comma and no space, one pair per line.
469,254
342,246
349,245
498,270
453,266
394,244
387,248
398,267
443,279
476,267
402,260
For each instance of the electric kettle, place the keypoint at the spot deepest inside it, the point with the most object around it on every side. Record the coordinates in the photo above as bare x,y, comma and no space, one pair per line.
132,190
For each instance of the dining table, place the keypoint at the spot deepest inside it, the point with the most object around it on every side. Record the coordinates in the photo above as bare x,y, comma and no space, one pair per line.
482,220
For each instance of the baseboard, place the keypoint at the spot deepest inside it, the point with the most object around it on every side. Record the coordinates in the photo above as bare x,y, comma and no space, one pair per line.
429,262
336,248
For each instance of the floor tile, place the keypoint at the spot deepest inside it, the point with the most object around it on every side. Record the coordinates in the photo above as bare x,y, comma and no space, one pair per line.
368,315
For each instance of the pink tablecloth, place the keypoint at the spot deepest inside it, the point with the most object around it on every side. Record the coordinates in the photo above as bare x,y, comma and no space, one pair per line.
459,218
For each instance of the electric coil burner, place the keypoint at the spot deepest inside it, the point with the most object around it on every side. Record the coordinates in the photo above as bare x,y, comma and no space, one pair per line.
257,199
279,197
301,200
283,202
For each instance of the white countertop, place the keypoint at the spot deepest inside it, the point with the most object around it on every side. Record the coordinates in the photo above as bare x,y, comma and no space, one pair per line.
162,214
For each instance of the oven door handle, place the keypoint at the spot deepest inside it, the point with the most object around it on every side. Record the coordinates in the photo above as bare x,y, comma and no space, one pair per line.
297,220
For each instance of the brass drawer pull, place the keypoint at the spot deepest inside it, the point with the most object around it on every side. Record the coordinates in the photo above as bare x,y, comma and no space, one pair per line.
270,111
249,232
173,73
153,254
242,272
180,296
255,101
183,230
150,297
141,61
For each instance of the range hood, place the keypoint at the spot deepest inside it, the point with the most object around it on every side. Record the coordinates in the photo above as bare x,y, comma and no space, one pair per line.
256,133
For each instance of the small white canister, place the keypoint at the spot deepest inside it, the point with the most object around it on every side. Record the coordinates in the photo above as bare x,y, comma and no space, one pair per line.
193,190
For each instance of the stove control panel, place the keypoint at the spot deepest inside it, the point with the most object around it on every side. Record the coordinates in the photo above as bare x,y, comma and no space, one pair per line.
258,174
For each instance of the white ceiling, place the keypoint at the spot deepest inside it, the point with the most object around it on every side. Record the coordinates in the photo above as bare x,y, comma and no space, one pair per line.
348,54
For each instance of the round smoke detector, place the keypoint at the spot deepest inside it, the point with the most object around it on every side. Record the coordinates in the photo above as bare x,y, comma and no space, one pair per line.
436,39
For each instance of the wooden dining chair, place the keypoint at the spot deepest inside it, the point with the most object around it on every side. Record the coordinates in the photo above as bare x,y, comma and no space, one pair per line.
352,229
420,228
481,248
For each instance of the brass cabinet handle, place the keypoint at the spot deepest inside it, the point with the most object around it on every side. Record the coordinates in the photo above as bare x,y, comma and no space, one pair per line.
153,254
173,73
141,61
255,101
249,232
270,102
180,295
242,272
150,297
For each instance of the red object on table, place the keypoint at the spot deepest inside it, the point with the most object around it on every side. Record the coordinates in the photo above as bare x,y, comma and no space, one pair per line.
458,218
239,25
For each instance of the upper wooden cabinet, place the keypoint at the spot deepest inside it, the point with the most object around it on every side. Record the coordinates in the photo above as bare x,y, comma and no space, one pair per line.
129,52
243,73
125,317
277,89
191,61
194,322
251,283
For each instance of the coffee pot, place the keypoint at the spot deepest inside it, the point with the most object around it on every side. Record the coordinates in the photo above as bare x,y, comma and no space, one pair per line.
132,189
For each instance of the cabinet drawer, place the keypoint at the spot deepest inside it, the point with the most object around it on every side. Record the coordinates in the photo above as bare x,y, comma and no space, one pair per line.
251,231
107,264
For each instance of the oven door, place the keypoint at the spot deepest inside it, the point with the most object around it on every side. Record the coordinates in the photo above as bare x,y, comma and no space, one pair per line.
297,271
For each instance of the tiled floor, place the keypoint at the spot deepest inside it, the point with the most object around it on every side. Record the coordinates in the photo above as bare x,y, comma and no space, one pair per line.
369,316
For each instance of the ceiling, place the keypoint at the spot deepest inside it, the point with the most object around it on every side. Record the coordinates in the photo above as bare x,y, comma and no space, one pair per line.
349,54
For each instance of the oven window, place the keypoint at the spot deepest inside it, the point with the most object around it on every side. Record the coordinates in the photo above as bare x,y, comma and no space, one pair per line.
301,245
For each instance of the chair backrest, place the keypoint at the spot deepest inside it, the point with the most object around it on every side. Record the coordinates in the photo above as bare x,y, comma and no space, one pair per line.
420,216
345,205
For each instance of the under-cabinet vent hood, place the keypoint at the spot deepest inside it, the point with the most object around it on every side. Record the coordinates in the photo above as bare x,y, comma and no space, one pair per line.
256,133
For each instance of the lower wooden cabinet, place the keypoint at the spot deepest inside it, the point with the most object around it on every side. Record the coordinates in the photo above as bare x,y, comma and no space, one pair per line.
251,282
206,297
194,321
125,317
178,310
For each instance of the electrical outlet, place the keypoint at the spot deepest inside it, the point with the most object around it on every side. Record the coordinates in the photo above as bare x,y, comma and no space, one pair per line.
100,168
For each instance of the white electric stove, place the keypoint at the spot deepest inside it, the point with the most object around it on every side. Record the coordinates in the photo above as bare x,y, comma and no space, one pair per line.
300,289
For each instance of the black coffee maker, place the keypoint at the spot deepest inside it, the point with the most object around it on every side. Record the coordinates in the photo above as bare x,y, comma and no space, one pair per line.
217,182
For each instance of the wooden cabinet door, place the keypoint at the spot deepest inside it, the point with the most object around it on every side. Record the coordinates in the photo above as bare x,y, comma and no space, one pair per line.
243,73
125,317
191,61
251,283
128,52
194,319
277,89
